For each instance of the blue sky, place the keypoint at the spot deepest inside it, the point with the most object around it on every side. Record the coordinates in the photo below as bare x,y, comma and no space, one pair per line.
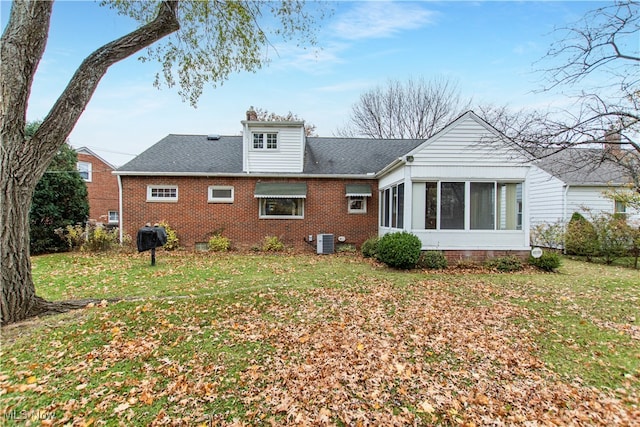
488,48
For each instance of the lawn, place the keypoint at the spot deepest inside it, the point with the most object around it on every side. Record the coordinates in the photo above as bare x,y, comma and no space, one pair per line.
255,339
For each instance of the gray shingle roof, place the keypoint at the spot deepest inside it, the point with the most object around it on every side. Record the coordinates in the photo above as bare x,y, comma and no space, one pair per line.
582,166
190,154
193,154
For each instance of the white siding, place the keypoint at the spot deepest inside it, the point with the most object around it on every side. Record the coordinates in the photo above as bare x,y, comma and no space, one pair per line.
288,157
468,143
588,201
546,198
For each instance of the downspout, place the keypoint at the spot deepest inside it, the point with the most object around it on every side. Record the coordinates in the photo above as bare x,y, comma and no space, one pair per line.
120,222
565,220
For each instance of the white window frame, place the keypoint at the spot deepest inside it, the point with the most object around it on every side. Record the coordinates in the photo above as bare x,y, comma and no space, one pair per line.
363,208
498,215
265,141
212,199
263,204
114,214
157,198
85,167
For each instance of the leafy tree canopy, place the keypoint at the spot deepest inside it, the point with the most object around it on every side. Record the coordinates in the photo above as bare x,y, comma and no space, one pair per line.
60,199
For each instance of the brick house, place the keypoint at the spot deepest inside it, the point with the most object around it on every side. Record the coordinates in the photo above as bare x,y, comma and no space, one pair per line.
102,187
461,191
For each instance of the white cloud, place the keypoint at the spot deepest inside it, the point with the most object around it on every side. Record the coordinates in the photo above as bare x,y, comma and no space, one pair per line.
525,48
312,61
371,19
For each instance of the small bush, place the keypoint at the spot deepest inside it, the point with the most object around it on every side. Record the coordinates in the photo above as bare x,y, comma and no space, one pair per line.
272,244
548,235
345,248
433,260
173,242
549,261
101,239
369,247
73,235
505,264
218,243
399,250
581,237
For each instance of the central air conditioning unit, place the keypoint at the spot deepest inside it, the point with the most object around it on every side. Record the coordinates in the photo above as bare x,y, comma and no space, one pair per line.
325,244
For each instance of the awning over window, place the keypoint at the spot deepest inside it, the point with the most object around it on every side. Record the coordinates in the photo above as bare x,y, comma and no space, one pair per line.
281,190
358,190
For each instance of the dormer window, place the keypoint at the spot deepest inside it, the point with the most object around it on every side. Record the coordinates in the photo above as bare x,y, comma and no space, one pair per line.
262,141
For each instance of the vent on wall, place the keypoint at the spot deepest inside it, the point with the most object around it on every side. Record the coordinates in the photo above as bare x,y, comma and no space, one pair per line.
325,244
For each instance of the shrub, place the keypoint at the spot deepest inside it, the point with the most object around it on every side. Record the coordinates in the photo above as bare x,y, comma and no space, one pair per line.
548,235
272,244
345,248
369,247
433,260
73,235
549,261
218,243
505,264
580,237
615,236
101,239
173,242
399,250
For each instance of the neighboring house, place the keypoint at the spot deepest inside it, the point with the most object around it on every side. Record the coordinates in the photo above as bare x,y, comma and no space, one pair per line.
575,180
102,187
462,191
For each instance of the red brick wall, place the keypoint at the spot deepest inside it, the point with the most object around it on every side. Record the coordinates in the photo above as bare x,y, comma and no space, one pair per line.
195,220
102,190
482,255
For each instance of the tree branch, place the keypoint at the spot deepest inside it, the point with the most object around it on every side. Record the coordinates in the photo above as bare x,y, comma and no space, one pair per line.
58,124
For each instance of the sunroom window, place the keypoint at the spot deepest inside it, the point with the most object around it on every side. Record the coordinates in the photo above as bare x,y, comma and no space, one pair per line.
392,206
472,205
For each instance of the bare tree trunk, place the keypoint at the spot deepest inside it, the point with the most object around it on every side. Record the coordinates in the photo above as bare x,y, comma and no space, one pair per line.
25,161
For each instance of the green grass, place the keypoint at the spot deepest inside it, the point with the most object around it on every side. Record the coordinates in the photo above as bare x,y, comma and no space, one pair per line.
277,338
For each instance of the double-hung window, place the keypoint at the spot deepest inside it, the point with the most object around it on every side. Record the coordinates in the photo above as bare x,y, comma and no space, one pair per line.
113,217
162,193
84,169
266,140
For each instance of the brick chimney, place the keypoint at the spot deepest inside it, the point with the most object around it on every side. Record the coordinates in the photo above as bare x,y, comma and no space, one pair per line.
612,142
252,116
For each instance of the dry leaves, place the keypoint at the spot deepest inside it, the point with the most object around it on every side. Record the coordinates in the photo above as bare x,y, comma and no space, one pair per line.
375,355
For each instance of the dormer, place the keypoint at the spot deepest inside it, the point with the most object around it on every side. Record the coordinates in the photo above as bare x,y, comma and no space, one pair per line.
272,146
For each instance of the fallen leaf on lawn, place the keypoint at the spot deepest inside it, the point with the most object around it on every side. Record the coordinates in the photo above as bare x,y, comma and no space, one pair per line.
426,407
121,407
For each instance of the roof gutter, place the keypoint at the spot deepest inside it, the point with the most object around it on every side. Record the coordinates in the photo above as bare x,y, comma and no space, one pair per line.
245,175
391,166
